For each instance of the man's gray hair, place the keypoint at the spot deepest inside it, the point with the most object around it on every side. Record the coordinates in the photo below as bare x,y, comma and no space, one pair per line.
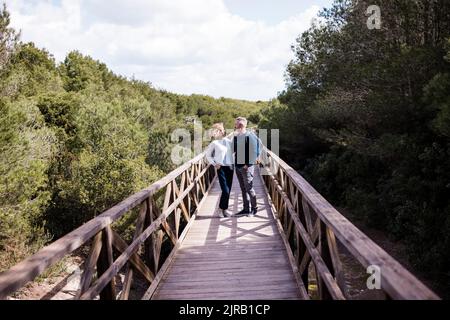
242,119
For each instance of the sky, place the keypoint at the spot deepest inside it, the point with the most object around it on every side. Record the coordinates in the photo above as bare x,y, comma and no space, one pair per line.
223,48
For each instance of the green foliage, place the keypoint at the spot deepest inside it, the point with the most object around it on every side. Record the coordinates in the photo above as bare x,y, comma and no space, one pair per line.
80,72
26,149
32,71
76,139
59,111
210,110
159,151
366,118
8,39
437,94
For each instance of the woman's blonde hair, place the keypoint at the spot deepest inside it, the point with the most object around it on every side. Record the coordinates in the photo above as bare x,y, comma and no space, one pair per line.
217,130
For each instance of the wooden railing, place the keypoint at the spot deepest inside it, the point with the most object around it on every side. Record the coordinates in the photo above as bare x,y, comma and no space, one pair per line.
314,231
165,212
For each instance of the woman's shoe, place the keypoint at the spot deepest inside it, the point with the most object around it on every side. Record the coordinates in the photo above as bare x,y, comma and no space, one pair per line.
226,214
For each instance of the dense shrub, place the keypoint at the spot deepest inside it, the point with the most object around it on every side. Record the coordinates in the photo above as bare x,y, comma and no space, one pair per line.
366,117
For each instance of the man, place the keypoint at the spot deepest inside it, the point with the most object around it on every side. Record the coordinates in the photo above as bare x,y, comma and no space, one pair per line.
247,149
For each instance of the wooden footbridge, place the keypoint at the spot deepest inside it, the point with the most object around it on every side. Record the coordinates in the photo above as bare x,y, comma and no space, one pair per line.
292,249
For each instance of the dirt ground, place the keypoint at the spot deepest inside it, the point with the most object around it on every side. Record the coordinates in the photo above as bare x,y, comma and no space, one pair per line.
62,286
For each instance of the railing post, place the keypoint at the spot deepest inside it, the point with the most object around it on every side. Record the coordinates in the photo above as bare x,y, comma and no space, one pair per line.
89,265
140,221
325,253
105,260
151,251
305,272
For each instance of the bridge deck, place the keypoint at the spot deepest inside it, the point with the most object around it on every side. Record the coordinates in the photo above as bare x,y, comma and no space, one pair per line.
232,258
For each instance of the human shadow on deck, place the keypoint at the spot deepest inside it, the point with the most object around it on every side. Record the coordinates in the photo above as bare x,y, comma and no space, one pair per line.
263,220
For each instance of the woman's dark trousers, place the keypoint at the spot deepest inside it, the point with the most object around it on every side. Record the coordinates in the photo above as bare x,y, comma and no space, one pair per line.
225,175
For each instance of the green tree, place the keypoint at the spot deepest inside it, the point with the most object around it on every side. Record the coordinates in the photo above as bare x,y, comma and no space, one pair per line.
26,147
80,72
8,39
365,118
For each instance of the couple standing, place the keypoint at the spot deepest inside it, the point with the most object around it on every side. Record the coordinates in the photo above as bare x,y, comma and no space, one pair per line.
241,153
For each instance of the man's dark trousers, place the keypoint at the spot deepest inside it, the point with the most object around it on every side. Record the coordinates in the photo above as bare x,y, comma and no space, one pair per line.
225,175
245,177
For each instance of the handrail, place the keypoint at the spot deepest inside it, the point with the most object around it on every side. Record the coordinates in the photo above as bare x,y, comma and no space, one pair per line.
181,199
313,225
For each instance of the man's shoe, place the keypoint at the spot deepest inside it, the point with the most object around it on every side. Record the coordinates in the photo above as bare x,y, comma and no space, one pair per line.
242,213
253,213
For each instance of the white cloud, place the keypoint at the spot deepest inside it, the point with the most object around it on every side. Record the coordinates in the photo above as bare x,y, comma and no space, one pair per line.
194,46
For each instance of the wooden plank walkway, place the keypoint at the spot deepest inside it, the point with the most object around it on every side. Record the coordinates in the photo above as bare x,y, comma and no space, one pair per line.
231,258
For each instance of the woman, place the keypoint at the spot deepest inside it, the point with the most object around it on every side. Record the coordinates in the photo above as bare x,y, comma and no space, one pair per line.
219,155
